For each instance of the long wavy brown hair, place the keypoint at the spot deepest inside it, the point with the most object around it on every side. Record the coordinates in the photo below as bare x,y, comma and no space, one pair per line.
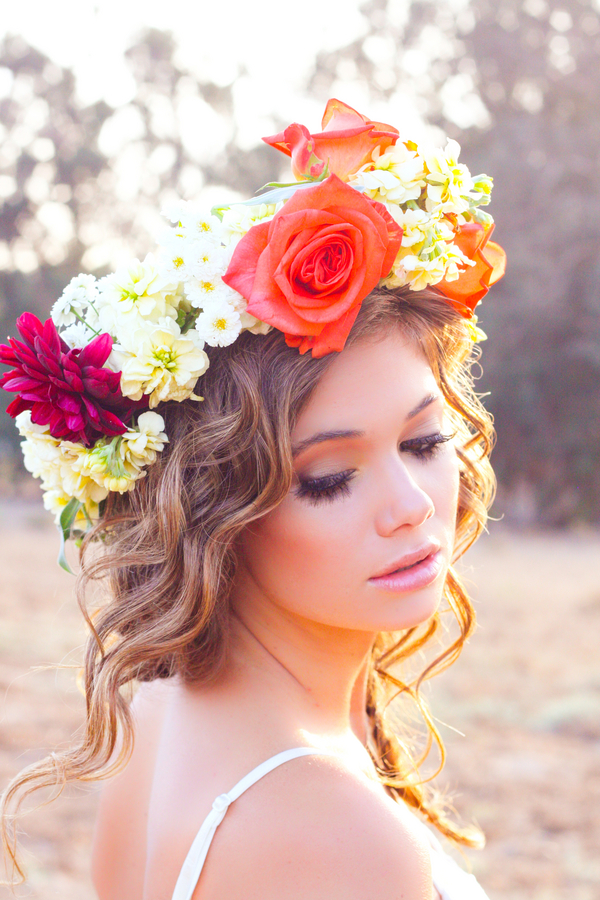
161,562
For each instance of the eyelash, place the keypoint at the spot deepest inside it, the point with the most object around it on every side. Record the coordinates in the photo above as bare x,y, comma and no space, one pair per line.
328,487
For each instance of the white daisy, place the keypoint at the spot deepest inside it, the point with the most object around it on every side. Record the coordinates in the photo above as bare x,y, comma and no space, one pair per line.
81,292
219,325
77,335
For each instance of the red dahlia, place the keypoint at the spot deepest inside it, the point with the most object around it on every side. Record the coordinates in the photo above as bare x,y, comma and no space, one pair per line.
65,389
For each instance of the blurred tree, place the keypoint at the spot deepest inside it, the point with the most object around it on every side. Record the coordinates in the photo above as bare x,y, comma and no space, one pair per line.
82,187
515,82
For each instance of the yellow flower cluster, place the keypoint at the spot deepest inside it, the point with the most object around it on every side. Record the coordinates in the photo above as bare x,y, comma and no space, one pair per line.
70,470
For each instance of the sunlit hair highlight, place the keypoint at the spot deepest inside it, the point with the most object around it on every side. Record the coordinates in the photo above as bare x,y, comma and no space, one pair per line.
168,550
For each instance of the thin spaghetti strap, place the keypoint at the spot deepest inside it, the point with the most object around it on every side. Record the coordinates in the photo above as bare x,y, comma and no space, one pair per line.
194,861
265,767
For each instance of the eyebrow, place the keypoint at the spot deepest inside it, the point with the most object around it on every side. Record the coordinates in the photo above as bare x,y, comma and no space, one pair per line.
339,434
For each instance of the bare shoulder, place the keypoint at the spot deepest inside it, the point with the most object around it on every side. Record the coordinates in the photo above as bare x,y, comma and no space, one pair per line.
118,856
315,830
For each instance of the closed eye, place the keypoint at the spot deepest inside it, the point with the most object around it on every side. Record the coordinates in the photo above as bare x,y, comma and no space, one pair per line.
326,488
425,447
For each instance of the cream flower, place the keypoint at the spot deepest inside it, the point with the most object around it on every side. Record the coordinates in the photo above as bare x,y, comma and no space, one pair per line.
159,361
140,445
475,332
428,253
55,502
449,182
103,465
56,463
252,324
116,464
395,176
136,290
70,470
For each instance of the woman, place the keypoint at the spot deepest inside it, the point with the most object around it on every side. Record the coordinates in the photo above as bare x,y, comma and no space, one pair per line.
291,546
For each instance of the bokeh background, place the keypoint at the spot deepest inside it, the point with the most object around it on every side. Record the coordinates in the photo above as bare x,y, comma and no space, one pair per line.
110,109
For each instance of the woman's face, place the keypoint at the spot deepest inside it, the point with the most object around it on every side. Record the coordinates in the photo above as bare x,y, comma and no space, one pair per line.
375,491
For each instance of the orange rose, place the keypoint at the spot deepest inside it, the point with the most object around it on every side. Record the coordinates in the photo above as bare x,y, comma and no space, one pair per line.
307,271
474,283
346,143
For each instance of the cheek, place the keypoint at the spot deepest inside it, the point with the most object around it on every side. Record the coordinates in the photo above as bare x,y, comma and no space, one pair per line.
303,551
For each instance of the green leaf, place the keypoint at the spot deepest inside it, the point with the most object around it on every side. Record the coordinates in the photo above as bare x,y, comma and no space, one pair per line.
65,523
283,184
187,320
284,193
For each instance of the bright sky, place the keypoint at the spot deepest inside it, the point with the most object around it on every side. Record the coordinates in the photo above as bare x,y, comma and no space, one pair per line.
219,40
267,48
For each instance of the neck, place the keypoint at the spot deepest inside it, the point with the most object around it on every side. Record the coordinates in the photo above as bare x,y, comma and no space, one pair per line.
320,671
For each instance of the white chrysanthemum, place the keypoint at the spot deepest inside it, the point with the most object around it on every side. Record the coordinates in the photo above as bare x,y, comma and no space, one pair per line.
193,221
159,361
136,290
205,260
197,225
175,211
81,292
239,219
171,256
77,335
219,324
207,291
449,183
183,259
396,176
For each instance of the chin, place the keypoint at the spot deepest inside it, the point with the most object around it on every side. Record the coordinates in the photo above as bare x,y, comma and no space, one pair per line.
402,611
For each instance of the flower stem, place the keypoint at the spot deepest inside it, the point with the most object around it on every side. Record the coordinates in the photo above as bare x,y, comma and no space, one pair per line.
82,320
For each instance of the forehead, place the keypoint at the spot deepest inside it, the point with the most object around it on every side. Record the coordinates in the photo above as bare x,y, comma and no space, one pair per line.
368,382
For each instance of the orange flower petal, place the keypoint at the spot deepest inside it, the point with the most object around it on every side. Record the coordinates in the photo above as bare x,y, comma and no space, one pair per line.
475,281
346,142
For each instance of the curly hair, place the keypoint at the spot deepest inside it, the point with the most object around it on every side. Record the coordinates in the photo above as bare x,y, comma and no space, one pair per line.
163,557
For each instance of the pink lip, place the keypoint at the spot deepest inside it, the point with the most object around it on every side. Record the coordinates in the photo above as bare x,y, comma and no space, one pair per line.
413,571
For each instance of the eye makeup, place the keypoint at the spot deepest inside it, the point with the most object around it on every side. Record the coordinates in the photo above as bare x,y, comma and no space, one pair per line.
327,488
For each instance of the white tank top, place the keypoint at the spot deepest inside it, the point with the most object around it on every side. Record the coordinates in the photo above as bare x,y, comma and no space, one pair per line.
452,882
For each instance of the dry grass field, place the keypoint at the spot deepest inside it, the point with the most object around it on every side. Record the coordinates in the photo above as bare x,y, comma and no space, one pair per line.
525,694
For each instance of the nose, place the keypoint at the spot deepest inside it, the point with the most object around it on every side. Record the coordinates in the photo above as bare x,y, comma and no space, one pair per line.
404,502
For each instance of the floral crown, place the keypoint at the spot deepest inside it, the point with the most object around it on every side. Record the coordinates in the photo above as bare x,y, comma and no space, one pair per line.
367,208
